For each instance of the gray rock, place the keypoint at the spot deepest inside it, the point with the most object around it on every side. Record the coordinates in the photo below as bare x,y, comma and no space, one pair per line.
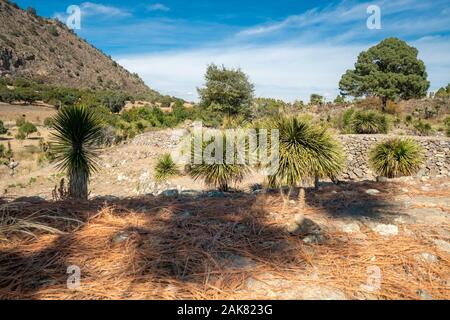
424,295
352,227
372,191
216,194
442,244
385,229
120,237
191,193
170,193
426,257
304,226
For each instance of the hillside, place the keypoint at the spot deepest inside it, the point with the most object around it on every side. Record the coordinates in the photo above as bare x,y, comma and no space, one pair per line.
47,51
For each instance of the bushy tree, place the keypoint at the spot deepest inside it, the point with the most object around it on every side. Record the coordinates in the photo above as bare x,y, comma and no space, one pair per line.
228,91
389,70
443,92
316,99
27,128
3,129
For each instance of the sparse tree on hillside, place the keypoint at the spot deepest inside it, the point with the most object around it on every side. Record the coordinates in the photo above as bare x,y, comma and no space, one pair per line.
74,145
226,90
389,70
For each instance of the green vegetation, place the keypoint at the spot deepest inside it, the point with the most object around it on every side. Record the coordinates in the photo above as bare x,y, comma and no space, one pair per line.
27,128
227,91
316,99
165,168
443,92
396,157
369,122
389,70
307,151
423,128
74,146
447,126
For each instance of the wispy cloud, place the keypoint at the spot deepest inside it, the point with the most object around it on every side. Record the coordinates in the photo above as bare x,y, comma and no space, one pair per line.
90,9
158,7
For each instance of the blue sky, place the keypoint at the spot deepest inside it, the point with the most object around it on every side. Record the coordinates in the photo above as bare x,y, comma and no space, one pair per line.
289,48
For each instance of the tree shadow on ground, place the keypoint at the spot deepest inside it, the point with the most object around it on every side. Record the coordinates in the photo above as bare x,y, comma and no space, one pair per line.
358,200
143,241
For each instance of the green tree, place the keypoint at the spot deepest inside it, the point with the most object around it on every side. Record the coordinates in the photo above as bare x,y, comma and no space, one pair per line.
389,70
443,92
228,91
74,145
316,99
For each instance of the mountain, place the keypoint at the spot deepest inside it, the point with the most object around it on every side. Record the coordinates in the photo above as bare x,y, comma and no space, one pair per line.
48,51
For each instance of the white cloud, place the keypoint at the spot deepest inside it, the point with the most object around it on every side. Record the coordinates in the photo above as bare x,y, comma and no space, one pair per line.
92,9
287,71
158,7
281,71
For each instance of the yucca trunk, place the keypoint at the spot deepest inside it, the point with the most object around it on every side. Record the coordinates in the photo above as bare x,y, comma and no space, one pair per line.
78,184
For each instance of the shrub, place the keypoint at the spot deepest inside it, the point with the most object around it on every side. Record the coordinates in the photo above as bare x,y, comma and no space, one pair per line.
3,129
27,128
20,136
306,151
20,121
447,126
216,174
423,128
165,168
396,157
48,122
369,122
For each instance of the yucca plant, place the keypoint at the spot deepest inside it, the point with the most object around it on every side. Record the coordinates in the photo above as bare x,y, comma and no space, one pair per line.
165,168
369,122
396,157
306,152
217,174
73,143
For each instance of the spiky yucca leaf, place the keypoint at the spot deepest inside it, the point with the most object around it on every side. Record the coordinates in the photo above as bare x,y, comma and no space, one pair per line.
396,157
306,151
369,122
76,131
165,168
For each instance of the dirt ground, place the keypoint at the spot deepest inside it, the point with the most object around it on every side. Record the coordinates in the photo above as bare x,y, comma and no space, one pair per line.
348,242
360,240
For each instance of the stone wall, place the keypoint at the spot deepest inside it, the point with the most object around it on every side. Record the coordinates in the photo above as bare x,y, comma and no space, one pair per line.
357,147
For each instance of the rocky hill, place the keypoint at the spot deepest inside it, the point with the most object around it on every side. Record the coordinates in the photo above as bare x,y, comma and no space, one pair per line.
46,50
